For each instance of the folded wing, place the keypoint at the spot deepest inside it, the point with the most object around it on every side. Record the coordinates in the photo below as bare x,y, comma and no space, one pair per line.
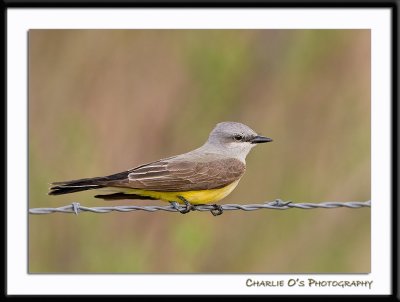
182,175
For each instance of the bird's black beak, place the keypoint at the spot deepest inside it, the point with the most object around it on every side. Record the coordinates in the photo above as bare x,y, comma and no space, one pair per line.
260,139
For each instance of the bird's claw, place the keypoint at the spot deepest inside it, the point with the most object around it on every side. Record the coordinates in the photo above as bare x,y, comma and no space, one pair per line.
188,206
217,210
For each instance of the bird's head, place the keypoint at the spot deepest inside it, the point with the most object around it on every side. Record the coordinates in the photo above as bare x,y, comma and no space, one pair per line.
235,139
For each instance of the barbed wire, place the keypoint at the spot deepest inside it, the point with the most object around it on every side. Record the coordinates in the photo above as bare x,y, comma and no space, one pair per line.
277,204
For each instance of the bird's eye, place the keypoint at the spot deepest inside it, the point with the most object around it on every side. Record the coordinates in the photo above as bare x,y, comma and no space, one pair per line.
238,137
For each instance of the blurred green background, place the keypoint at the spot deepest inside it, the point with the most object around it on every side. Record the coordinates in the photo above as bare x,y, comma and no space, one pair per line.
103,101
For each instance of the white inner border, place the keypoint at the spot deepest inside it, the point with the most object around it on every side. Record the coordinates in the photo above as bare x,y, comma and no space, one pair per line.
19,21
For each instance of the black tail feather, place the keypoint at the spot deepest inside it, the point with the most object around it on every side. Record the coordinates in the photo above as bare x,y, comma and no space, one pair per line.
116,196
78,185
65,187
59,190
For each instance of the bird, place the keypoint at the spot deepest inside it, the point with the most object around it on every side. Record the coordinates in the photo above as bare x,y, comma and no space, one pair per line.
202,176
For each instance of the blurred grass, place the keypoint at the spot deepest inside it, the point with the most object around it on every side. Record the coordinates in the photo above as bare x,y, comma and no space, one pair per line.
102,101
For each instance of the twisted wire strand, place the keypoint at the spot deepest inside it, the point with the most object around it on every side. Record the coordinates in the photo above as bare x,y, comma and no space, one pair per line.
277,204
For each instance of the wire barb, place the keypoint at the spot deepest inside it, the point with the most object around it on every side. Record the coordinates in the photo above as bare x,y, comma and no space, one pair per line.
277,204
75,207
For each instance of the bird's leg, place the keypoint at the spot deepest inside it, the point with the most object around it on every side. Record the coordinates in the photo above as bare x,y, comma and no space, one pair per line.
189,206
175,205
217,210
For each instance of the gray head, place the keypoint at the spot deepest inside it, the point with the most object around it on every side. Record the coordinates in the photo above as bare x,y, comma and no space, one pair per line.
234,139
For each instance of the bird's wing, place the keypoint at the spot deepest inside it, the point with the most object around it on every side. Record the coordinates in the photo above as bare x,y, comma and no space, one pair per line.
175,175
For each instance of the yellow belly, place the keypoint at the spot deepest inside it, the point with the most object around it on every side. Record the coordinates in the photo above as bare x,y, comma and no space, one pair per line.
194,197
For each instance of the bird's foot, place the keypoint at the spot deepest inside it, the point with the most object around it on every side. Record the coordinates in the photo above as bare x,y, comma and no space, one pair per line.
188,206
175,205
217,210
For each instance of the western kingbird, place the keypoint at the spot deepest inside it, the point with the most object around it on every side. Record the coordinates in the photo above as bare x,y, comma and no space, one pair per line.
204,175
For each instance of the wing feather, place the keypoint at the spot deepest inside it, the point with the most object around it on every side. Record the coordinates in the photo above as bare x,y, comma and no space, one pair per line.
174,175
